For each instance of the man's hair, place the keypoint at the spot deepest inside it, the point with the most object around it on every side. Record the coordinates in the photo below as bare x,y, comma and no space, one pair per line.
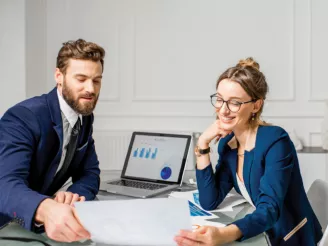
80,50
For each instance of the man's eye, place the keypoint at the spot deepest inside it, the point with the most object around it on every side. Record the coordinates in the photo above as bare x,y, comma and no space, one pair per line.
81,79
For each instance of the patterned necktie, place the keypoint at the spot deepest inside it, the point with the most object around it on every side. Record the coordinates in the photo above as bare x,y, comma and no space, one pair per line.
71,147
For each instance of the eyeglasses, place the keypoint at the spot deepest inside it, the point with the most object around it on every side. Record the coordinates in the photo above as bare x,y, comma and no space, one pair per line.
233,105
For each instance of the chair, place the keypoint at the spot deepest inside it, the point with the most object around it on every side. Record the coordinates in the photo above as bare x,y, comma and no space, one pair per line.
318,197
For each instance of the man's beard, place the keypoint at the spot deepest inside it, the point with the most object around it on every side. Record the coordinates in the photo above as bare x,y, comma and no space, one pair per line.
81,108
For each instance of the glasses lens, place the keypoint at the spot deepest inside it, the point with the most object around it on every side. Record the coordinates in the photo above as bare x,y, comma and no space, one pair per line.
233,106
216,102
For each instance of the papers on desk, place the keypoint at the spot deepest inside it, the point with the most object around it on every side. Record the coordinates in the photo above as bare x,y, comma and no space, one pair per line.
231,200
135,222
198,222
199,215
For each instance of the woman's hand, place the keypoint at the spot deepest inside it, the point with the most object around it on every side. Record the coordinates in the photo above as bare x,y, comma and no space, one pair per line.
204,236
213,131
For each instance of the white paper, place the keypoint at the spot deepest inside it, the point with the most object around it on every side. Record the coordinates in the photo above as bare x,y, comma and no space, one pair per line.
231,200
198,221
135,222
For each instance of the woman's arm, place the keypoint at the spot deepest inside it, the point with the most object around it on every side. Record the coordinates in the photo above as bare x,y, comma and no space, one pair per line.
213,187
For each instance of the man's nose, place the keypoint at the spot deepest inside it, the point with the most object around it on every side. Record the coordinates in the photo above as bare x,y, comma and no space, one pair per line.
89,87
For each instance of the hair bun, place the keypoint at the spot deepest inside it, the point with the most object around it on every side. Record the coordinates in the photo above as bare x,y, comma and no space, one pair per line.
249,62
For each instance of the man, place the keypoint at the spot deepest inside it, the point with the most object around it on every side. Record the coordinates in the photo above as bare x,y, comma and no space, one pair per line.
46,140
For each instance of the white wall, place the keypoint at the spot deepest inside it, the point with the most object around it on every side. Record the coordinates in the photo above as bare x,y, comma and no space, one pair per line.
12,53
36,66
164,56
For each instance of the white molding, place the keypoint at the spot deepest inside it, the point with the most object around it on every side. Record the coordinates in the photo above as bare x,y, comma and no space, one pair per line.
115,98
289,98
186,115
311,97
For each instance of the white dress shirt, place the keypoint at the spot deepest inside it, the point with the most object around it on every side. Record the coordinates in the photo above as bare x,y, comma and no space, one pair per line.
69,118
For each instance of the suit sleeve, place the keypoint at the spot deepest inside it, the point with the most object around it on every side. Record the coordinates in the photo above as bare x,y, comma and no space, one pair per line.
279,163
19,134
86,180
214,187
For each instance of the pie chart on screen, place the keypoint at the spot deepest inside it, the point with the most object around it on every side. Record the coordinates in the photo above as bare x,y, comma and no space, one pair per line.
166,173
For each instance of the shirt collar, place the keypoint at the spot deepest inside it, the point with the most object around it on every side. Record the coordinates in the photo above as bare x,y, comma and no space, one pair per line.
69,113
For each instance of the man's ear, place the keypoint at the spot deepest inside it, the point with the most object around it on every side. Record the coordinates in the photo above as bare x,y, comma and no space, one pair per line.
59,78
257,105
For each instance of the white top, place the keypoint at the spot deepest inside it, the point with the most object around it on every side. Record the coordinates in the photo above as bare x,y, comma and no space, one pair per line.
69,118
244,191
245,194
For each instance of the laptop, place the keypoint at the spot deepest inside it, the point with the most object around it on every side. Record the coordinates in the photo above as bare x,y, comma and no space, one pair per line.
154,163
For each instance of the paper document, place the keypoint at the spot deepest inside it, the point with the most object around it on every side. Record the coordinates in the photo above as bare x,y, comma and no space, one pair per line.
198,222
197,211
135,222
231,200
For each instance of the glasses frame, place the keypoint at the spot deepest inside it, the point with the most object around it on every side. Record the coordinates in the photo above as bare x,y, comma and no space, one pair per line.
226,102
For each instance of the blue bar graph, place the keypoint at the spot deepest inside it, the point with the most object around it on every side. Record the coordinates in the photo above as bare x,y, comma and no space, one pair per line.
147,153
153,155
141,155
135,153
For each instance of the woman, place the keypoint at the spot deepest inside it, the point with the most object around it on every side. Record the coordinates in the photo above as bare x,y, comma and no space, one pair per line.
258,160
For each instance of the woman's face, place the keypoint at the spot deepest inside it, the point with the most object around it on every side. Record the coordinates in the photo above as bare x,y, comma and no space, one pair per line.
231,91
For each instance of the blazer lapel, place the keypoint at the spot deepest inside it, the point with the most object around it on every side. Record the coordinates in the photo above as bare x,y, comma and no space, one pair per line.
54,108
248,163
232,144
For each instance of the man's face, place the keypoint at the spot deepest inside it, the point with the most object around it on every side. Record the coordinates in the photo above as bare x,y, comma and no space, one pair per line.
80,86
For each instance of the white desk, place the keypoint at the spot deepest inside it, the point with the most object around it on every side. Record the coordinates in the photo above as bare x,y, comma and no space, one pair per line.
14,230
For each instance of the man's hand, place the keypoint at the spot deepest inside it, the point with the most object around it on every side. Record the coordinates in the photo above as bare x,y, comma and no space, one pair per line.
60,221
68,197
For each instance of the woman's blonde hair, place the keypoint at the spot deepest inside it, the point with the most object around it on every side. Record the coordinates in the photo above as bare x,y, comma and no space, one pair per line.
247,73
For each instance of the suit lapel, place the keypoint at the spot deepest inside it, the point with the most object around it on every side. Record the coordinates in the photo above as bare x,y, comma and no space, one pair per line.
54,108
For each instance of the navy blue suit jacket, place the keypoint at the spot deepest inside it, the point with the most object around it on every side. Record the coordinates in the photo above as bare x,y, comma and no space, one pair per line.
273,180
31,141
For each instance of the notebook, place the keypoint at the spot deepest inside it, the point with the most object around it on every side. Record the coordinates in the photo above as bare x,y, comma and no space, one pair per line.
154,163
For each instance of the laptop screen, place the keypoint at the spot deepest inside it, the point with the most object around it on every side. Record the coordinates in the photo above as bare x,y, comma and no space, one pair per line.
156,157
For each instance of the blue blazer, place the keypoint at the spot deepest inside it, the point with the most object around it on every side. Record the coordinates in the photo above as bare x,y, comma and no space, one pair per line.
31,141
273,180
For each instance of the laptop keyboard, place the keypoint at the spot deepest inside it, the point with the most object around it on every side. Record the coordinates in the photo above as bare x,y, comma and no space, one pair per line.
138,185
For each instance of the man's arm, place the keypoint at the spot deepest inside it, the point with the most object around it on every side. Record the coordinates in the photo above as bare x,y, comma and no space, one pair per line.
19,135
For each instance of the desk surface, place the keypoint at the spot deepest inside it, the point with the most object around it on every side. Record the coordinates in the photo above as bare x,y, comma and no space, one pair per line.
14,230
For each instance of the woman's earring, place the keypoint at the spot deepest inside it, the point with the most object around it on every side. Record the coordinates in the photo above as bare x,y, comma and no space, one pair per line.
253,116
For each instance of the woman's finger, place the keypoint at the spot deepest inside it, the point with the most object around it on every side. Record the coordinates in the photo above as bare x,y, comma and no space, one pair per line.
185,241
